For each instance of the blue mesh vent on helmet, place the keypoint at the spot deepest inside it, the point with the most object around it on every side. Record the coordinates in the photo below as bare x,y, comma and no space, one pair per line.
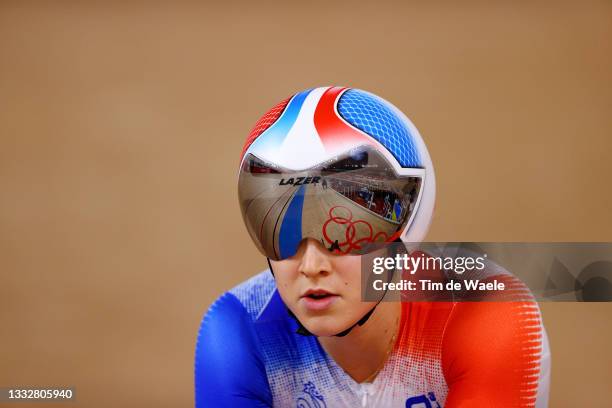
373,117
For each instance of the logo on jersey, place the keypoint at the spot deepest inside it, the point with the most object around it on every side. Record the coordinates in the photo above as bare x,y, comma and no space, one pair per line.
312,397
423,401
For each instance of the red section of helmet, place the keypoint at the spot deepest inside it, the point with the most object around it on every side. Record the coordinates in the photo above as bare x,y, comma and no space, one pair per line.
334,133
264,123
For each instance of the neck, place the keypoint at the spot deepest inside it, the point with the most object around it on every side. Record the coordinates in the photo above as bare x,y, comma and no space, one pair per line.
374,339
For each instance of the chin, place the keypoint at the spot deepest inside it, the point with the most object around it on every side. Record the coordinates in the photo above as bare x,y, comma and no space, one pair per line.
324,326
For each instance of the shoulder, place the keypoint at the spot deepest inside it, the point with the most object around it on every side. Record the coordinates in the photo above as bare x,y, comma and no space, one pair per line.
228,358
488,345
498,322
240,306
255,293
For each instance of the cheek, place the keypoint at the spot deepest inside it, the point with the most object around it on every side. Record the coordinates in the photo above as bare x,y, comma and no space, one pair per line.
285,275
348,269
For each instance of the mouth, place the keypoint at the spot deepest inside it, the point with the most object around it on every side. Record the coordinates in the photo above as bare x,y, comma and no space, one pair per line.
318,299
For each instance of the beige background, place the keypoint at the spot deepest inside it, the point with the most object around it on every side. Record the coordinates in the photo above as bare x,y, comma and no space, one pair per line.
121,126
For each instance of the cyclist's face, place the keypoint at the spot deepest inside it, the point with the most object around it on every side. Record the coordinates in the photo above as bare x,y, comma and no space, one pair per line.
323,290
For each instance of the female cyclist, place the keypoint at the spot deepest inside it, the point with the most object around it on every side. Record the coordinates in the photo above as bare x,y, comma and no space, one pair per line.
323,175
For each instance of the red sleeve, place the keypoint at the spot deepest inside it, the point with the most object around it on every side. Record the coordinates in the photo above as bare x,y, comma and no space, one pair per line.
491,353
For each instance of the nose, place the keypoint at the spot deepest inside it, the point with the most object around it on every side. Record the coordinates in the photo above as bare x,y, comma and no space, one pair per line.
314,260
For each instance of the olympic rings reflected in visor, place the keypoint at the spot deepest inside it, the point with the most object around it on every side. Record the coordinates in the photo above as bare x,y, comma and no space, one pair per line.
348,204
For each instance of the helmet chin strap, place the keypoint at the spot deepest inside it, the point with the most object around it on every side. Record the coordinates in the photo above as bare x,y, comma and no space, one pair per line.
301,330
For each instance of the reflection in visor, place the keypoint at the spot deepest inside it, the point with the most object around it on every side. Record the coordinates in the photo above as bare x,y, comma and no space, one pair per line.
345,204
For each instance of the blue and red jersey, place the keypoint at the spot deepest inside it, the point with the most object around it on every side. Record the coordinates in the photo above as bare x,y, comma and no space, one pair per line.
446,354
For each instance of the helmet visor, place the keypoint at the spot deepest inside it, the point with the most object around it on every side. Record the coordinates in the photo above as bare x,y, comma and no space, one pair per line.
347,204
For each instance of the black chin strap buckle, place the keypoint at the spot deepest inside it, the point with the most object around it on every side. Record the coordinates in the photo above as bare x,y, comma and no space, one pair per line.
361,322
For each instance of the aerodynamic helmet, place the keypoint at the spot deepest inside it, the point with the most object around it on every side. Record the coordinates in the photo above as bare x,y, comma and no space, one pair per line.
340,165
